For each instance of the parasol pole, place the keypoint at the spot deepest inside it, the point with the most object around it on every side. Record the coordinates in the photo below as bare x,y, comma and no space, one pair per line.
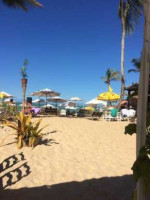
46,100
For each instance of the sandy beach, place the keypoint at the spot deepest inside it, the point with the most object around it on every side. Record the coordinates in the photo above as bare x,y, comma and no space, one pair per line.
78,159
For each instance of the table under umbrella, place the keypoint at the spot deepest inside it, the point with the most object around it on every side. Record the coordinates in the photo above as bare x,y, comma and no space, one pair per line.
45,93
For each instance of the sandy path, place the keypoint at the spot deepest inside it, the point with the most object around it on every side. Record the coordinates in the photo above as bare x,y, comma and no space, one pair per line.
79,159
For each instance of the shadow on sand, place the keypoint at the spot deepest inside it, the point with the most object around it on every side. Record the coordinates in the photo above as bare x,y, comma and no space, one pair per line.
106,188
15,175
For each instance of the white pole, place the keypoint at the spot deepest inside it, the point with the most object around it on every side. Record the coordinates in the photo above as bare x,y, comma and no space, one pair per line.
143,96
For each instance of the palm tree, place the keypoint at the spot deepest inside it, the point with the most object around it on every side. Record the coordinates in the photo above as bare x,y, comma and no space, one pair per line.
129,13
21,3
111,75
136,63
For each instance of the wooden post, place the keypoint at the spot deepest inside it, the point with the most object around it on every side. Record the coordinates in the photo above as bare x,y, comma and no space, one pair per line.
143,96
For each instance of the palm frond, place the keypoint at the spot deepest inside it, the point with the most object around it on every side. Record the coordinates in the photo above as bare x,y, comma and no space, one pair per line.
130,11
104,77
133,70
134,10
116,78
24,4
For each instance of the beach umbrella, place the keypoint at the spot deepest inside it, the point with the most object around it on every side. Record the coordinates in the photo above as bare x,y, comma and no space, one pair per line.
45,93
108,96
8,100
95,102
48,106
56,100
38,101
75,99
70,108
5,95
69,103
89,108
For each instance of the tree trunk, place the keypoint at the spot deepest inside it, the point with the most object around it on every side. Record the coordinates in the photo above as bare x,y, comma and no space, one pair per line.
143,96
122,60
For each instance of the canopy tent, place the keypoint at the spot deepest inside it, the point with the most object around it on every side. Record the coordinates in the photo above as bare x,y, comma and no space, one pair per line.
57,99
45,93
95,102
109,96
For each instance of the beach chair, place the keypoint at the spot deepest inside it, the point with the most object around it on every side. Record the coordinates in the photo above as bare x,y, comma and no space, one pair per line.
110,115
35,111
50,111
96,115
62,113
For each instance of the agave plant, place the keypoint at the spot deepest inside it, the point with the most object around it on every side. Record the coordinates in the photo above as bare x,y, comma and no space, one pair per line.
35,133
21,128
28,132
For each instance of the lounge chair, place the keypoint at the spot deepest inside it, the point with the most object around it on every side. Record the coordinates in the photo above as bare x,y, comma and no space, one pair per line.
35,111
96,115
50,111
62,113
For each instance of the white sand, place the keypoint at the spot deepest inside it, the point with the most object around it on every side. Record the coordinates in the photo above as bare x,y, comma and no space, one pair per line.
83,160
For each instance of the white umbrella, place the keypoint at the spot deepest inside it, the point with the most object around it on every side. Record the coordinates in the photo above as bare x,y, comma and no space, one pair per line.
45,93
70,104
75,99
48,106
38,101
56,100
8,100
70,108
95,102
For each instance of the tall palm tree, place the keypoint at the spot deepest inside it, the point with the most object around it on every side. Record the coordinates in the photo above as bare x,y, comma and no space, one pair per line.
111,75
129,13
136,63
21,3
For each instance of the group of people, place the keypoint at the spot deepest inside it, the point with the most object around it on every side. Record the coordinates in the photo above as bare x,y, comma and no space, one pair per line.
124,111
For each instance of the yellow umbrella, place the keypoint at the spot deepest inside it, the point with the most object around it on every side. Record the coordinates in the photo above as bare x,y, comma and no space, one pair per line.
2,95
89,108
5,95
108,96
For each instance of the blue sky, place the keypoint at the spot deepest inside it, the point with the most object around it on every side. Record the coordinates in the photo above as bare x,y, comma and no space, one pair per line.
69,44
